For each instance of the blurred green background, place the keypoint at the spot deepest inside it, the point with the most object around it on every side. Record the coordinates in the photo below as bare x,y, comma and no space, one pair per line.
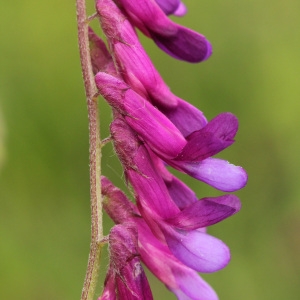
45,215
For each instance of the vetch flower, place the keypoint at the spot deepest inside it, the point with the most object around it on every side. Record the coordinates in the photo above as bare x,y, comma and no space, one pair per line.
125,278
143,117
176,40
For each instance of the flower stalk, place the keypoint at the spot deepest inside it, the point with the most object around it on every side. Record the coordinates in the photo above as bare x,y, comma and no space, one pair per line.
94,154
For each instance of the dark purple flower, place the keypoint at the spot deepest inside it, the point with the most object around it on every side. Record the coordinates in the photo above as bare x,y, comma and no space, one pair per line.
176,40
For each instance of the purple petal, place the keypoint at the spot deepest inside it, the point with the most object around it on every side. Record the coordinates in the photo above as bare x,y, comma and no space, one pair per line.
181,194
216,172
217,135
181,10
186,117
168,6
197,250
206,212
224,126
185,44
180,279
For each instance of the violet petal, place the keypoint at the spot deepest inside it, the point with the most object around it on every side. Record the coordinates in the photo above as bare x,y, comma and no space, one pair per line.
216,172
186,117
185,44
168,6
206,212
198,250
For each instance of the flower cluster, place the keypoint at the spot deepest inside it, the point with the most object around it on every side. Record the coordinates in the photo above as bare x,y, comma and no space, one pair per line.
152,129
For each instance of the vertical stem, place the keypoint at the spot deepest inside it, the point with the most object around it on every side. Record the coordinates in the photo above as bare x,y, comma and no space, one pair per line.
94,152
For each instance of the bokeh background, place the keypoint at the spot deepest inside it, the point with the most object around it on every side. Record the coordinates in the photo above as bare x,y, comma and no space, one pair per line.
44,193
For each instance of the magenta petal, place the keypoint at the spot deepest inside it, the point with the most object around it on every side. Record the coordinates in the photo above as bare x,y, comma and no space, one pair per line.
132,282
151,124
216,172
206,212
176,40
150,189
197,250
109,291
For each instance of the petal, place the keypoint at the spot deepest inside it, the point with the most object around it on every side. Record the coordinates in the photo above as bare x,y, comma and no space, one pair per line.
181,194
206,212
150,189
186,117
217,135
216,172
100,57
197,250
168,6
185,44
132,282
109,291
184,282
176,40
151,124
181,10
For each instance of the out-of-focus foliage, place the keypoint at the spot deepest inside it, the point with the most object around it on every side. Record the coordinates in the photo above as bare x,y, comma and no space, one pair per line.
44,193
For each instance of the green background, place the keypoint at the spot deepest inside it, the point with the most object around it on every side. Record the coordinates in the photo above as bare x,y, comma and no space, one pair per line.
44,193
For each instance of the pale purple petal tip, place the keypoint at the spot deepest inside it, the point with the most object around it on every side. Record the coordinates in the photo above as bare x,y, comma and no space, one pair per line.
181,10
218,173
198,250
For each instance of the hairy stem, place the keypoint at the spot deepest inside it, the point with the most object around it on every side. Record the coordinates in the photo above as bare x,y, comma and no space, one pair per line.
94,152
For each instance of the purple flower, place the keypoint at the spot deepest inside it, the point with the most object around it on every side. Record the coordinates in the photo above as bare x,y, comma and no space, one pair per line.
180,279
151,125
190,155
176,40
125,278
164,217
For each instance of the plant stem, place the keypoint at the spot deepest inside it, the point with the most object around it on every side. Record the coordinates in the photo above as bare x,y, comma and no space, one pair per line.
94,154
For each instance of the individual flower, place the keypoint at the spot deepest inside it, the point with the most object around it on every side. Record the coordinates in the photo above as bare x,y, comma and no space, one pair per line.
125,278
191,155
176,40
151,124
